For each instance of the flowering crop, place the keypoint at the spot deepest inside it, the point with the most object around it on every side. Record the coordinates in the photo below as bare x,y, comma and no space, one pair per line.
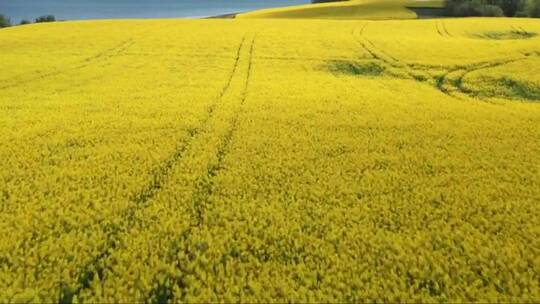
270,160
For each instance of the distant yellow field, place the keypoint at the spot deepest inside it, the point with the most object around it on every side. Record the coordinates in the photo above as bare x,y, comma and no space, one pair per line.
270,161
353,9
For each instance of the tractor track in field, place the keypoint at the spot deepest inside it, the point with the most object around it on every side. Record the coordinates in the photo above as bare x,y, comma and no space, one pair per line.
100,57
362,28
438,29
364,45
374,48
164,291
302,59
441,81
378,54
374,51
160,175
94,268
518,28
458,83
445,29
206,190
442,30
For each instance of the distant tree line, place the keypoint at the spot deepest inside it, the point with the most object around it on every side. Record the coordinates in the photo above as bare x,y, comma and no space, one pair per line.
488,8
6,22
493,8
46,18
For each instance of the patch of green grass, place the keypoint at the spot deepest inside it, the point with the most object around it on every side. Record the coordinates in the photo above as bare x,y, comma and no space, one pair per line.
506,35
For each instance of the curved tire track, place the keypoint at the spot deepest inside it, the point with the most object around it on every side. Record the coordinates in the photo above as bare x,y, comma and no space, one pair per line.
441,81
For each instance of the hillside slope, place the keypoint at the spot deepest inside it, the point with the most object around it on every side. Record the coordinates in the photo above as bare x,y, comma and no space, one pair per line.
354,9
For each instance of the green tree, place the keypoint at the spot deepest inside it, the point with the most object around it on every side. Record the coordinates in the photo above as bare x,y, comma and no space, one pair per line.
510,7
46,18
466,8
4,21
533,8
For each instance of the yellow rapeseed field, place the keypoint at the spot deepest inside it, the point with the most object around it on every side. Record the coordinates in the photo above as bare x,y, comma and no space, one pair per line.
270,160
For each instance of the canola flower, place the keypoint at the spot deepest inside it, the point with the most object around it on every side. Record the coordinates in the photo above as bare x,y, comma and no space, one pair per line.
270,161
